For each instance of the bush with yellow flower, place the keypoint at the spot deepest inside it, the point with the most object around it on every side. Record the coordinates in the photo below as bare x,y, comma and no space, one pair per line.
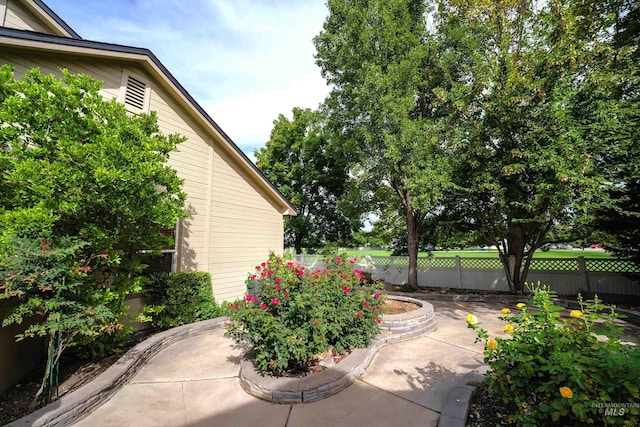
552,369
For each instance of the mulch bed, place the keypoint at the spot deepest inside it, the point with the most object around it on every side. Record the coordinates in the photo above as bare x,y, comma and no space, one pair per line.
486,410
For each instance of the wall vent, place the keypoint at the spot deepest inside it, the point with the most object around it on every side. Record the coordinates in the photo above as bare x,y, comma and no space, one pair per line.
135,93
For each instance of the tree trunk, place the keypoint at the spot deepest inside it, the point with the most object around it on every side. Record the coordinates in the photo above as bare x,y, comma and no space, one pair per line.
413,235
297,242
516,243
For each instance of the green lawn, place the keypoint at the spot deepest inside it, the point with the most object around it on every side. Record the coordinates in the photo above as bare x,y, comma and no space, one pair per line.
468,253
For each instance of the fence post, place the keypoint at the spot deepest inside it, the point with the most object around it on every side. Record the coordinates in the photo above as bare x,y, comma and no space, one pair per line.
459,268
584,275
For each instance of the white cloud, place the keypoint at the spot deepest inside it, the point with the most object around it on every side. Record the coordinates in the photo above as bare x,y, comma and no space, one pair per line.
244,61
248,117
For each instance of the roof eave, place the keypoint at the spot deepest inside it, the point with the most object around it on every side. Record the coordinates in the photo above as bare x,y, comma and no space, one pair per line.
50,18
44,42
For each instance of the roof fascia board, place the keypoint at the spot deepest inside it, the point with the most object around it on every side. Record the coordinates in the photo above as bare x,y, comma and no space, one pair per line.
50,18
45,42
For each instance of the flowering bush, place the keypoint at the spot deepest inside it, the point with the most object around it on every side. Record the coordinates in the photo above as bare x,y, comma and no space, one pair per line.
291,314
556,371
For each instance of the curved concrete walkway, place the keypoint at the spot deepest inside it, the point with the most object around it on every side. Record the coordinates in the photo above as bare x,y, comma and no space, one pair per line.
194,382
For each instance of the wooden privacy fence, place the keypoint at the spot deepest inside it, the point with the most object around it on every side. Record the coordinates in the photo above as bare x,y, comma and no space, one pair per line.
564,275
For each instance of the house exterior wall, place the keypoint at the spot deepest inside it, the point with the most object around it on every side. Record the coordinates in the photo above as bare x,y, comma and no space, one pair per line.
17,358
232,224
245,227
16,16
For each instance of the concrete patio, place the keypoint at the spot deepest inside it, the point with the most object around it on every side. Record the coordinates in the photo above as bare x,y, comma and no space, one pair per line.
194,382
191,378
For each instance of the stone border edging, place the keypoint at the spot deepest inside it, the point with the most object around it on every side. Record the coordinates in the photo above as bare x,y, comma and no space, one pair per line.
336,378
456,408
74,406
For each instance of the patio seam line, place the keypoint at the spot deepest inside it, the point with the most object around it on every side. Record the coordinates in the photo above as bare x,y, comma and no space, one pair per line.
453,345
398,396
184,404
181,381
286,423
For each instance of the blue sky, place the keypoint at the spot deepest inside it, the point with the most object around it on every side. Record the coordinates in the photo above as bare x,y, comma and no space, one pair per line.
244,61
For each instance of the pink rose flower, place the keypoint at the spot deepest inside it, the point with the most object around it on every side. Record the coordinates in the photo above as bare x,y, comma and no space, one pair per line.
278,288
275,301
359,314
377,295
263,306
278,280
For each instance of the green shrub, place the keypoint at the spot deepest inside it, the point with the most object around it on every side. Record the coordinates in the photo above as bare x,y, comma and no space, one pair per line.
180,298
291,314
556,371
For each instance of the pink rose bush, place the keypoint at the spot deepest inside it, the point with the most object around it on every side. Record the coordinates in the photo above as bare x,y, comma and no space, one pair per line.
291,314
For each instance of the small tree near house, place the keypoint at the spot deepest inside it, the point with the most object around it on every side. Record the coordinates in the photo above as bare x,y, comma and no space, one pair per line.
84,190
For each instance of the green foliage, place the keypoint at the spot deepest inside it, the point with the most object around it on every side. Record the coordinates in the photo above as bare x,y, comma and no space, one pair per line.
76,165
180,298
302,162
555,371
384,69
542,110
291,314
95,171
609,105
91,181
52,283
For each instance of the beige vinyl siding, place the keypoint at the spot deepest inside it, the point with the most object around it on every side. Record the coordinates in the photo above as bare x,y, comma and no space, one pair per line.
16,16
192,161
109,73
246,226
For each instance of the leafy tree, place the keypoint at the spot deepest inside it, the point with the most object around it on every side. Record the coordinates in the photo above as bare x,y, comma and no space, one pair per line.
525,163
79,172
609,107
383,67
313,174
52,281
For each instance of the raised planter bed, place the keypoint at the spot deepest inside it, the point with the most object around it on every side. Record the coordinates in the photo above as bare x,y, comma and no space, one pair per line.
394,327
